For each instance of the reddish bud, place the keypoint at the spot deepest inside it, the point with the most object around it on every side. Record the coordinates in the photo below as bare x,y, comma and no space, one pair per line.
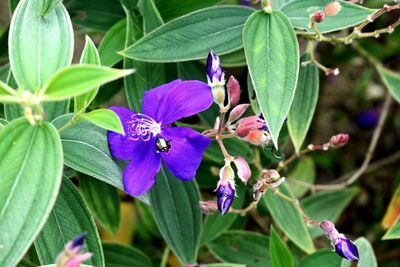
318,16
233,91
208,207
333,8
249,124
243,169
238,112
339,140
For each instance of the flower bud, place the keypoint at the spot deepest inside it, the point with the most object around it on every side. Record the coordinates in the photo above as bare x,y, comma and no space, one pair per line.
318,16
233,87
218,92
208,207
238,112
226,173
248,124
339,140
333,8
71,255
243,169
225,195
215,74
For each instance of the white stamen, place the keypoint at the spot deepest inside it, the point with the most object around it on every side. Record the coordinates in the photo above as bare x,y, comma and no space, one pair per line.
142,127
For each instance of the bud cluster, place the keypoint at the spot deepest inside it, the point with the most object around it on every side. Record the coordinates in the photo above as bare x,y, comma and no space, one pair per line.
72,255
331,9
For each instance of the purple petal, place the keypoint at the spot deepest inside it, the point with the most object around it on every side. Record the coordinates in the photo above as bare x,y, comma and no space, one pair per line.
347,249
139,175
178,99
225,196
120,146
187,148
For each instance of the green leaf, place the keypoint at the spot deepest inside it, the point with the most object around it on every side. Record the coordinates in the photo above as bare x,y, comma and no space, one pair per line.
235,148
305,100
223,265
303,172
234,59
39,46
11,111
252,96
249,248
391,80
117,255
394,231
46,6
367,256
175,8
146,213
69,218
7,94
176,209
192,36
272,55
29,155
216,224
89,56
105,119
327,206
86,150
288,219
112,42
279,252
299,12
103,201
151,16
326,258
79,79
54,265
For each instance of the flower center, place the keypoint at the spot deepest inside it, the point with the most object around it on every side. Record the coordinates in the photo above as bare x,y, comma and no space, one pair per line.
142,127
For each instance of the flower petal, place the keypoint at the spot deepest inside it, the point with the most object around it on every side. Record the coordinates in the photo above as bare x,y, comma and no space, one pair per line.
177,99
139,175
187,148
119,145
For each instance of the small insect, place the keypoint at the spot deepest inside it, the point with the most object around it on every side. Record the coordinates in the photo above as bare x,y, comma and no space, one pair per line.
162,145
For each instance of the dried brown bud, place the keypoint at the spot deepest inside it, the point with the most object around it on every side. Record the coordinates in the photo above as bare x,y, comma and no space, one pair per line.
318,16
333,8
233,91
339,140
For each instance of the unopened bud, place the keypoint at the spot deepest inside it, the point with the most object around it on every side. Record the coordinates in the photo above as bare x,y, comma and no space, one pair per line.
339,140
318,16
233,87
225,195
333,8
243,169
208,207
258,137
334,72
237,112
249,124
226,173
215,74
218,92
71,255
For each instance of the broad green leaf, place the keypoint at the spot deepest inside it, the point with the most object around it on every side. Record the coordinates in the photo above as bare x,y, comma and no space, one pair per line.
29,155
192,36
216,224
394,231
79,79
391,81
151,16
46,6
69,218
117,255
367,256
288,219
243,247
303,172
326,258
98,15
299,11
147,215
105,119
272,55
39,46
103,201
223,265
279,252
234,146
327,205
112,42
89,56
176,209
175,8
3,122
86,150
252,96
305,100
234,59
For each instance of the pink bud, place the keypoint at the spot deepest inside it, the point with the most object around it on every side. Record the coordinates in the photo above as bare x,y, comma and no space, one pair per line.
243,169
77,260
333,8
318,16
248,124
233,91
238,112
208,207
339,140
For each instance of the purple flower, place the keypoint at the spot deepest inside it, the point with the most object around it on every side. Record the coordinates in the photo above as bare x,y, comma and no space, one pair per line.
214,70
150,137
225,195
346,249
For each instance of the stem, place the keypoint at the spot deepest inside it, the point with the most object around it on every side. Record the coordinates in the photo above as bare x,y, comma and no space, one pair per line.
73,120
165,256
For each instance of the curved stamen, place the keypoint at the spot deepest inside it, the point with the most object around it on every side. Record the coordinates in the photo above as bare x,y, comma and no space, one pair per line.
142,127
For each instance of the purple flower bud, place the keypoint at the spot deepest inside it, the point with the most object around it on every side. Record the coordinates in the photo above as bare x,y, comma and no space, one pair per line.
225,195
214,70
346,249
72,255
78,241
